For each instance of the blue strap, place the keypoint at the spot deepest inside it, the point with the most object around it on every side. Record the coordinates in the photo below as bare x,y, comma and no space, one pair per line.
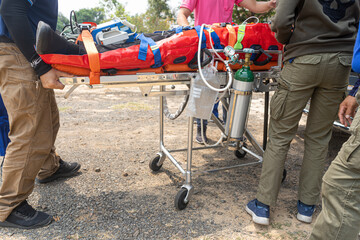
216,39
203,43
144,43
143,47
178,29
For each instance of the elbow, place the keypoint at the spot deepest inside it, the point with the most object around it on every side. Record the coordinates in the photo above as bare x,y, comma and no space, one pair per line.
282,34
182,17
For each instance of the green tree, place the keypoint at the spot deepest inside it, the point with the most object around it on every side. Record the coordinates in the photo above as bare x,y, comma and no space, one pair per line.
113,8
96,15
62,22
139,20
158,16
241,14
160,9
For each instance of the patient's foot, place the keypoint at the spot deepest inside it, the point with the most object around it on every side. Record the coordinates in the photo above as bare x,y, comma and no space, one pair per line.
47,42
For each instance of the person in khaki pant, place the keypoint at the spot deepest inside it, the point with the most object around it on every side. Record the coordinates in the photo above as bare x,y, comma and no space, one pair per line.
340,215
26,84
319,38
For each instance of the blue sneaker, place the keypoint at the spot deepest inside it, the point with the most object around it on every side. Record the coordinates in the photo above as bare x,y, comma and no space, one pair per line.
260,212
305,212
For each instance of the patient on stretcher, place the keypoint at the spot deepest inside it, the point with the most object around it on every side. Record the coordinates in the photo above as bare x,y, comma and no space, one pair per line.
171,51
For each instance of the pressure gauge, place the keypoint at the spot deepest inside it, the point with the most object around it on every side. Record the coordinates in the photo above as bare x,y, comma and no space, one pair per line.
229,51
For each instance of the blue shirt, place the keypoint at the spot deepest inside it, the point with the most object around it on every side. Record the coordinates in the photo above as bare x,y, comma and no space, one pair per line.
356,58
44,10
356,65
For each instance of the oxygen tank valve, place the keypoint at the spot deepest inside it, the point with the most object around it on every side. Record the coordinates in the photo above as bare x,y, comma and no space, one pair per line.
248,52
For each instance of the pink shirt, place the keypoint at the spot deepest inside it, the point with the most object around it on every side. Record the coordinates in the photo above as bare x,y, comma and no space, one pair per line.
211,11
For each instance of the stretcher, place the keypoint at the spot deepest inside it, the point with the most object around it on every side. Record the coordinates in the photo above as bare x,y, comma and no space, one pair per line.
264,81
178,57
167,51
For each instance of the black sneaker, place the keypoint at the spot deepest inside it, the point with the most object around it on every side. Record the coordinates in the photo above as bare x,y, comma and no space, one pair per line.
65,170
24,216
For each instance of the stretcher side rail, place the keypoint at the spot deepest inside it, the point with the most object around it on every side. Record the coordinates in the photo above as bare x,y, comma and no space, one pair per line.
261,82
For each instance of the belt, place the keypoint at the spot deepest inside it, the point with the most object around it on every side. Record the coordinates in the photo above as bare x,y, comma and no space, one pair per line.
5,39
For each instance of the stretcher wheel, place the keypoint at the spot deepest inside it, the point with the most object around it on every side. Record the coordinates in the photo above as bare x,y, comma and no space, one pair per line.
284,176
240,153
153,164
180,199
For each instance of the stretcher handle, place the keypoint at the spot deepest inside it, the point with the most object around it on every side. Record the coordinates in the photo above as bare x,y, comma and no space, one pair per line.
193,63
261,52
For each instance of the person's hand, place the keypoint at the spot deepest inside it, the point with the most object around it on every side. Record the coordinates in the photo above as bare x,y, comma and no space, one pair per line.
347,110
51,79
272,3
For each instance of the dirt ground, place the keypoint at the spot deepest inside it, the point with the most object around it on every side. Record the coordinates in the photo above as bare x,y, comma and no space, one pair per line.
113,133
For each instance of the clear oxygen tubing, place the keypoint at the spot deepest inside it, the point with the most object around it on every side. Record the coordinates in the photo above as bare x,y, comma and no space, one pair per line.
200,71
245,22
173,116
219,58
221,139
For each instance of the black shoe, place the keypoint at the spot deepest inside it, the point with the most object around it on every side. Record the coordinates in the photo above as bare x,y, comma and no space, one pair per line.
24,216
65,170
199,138
47,41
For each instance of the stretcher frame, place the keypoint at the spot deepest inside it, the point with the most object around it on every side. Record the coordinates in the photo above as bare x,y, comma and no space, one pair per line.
264,81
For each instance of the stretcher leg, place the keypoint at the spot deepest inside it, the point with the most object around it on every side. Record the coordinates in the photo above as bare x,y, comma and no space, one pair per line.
183,196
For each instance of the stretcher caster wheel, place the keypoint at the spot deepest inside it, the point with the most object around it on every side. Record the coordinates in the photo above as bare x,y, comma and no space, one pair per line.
153,164
180,199
240,153
284,176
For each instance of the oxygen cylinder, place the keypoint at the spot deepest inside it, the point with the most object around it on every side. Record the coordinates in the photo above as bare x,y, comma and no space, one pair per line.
240,100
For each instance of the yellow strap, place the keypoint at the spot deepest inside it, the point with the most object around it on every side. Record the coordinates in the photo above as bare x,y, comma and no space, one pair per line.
240,37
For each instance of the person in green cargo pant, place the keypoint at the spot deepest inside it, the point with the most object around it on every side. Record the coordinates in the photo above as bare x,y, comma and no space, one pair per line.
319,38
340,215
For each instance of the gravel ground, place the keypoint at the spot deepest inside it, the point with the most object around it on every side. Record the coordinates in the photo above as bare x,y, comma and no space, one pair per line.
114,133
